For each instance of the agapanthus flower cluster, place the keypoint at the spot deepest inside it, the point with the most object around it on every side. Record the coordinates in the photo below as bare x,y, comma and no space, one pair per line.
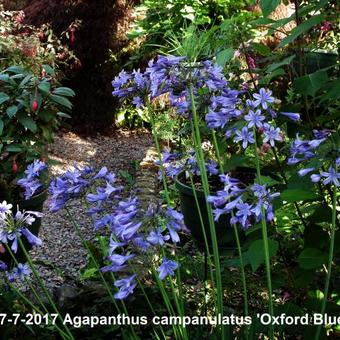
239,118
133,231
31,182
13,226
175,163
246,204
75,183
21,272
317,152
171,75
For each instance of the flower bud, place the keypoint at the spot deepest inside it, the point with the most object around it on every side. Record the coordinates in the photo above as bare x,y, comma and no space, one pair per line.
15,167
34,105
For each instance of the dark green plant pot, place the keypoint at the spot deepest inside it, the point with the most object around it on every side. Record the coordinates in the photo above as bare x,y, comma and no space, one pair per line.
33,204
224,230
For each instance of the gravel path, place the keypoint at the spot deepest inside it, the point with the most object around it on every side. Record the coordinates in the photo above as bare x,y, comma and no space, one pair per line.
62,255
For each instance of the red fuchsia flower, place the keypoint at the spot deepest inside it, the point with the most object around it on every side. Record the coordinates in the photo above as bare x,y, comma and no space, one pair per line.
35,105
251,62
15,167
326,26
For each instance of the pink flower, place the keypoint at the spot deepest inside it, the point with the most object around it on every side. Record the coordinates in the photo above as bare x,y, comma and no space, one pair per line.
326,26
251,62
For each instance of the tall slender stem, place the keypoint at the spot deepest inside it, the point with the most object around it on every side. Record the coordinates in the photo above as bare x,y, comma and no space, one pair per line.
92,258
205,185
237,238
42,285
330,259
34,293
298,210
265,242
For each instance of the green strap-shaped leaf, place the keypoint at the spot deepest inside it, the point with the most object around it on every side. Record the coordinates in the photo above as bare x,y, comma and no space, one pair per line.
302,28
1,126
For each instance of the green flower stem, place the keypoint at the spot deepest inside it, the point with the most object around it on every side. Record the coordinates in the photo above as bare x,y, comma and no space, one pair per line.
35,308
330,258
92,257
166,190
79,233
42,285
239,249
158,148
296,205
167,303
265,242
205,184
33,291
140,284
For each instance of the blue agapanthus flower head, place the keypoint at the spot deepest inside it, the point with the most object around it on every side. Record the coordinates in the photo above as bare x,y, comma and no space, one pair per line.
31,182
126,287
13,227
167,268
20,272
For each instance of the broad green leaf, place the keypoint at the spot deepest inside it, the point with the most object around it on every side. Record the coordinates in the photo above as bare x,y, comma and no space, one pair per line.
63,114
268,6
311,83
296,195
312,258
16,70
49,70
1,126
321,214
4,77
262,21
266,79
302,28
25,80
224,56
89,273
61,100
28,123
3,97
64,91
285,61
46,116
256,252
11,111
262,49
332,91
24,103
13,148
44,86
